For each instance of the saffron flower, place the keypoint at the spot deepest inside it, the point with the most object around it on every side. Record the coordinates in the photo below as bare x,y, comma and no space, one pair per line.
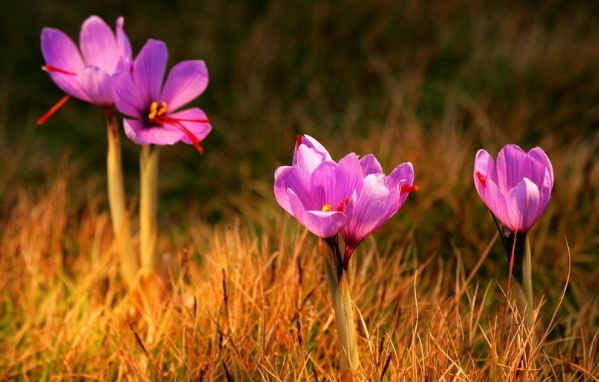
378,197
321,200
85,72
516,188
315,189
140,93
372,196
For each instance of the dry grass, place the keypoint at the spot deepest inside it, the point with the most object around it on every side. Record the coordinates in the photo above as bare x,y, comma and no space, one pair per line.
249,302
248,299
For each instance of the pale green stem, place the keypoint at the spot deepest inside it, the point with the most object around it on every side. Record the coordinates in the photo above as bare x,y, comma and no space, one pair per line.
148,206
344,316
523,290
116,200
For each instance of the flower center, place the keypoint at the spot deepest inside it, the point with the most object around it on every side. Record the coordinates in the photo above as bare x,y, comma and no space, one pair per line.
158,115
157,111
340,207
481,178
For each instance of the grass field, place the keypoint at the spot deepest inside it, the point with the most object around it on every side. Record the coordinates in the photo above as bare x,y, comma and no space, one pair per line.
406,81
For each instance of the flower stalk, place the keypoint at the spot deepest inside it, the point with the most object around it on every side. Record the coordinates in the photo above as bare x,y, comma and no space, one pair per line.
148,206
338,281
523,290
116,200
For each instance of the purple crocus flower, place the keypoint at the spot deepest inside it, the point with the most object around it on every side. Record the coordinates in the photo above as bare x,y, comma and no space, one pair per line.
140,93
517,187
315,190
85,72
378,197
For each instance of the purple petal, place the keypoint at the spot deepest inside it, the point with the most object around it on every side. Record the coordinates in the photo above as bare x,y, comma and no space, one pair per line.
496,201
353,168
127,97
96,84
122,41
60,51
98,44
371,209
370,165
144,134
286,177
541,174
185,82
542,161
148,70
510,166
65,62
523,203
321,223
194,121
307,158
401,175
329,184
307,142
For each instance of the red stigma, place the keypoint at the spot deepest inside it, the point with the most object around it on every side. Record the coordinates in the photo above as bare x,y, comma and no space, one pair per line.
44,118
342,205
406,188
50,68
176,122
481,178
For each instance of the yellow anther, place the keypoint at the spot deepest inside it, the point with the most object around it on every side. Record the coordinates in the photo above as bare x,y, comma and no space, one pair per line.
162,110
327,207
156,111
153,110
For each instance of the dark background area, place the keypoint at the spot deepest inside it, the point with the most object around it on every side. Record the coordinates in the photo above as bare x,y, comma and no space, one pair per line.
522,70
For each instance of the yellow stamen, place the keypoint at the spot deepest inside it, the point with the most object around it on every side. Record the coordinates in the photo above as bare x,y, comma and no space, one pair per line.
157,111
327,207
153,110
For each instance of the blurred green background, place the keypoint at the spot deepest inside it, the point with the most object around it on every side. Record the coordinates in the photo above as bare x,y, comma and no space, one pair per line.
500,72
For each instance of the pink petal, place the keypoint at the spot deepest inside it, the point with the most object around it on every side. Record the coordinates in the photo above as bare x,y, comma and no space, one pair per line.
127,97
144,134
510,166
194,120
371,209
523,203
281,185
98,44
541,174
96,84
402,174
370,165
60,51
185,82
496,201
122,41
352,166
307,158
485,166
148,70
323,224
329,184
313,144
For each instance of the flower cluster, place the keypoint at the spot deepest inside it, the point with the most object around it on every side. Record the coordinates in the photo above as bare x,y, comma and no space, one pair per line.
352,196
102,71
